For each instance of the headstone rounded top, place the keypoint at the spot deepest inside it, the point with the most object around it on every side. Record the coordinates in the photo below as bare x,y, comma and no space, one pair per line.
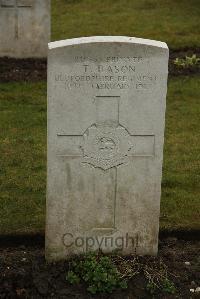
106,39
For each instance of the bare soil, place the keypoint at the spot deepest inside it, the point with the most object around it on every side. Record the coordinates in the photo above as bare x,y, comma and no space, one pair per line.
25,274
32,70
29,70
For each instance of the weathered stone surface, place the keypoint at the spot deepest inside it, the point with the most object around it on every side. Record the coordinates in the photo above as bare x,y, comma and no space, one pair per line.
24,28
106,111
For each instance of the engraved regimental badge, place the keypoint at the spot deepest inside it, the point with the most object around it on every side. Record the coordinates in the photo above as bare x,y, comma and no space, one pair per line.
105,146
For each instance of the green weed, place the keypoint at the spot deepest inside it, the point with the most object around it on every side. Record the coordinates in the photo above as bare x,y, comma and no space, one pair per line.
187,62
98,272
168,286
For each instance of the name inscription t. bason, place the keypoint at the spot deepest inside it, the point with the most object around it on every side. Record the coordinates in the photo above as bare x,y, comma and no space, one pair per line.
104,146
16,5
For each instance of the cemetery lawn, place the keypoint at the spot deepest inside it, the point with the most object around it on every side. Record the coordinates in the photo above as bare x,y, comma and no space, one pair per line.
23,157
175,22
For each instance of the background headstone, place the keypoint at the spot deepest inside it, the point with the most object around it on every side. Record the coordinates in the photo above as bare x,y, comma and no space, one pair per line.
24,28
106,114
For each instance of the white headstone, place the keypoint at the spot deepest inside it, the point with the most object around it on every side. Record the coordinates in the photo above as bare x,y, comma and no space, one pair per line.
106,116
24,28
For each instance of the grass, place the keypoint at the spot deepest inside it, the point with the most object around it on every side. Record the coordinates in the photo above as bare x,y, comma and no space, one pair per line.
23,156
176,22
181,170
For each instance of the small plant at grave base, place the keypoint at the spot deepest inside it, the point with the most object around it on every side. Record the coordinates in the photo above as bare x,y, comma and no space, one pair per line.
158,280
98,272
165,286
151,288
72,277
187,62
168,286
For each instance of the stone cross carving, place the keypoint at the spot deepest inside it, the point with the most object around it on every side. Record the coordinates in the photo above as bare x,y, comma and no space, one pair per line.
16,5
105,146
